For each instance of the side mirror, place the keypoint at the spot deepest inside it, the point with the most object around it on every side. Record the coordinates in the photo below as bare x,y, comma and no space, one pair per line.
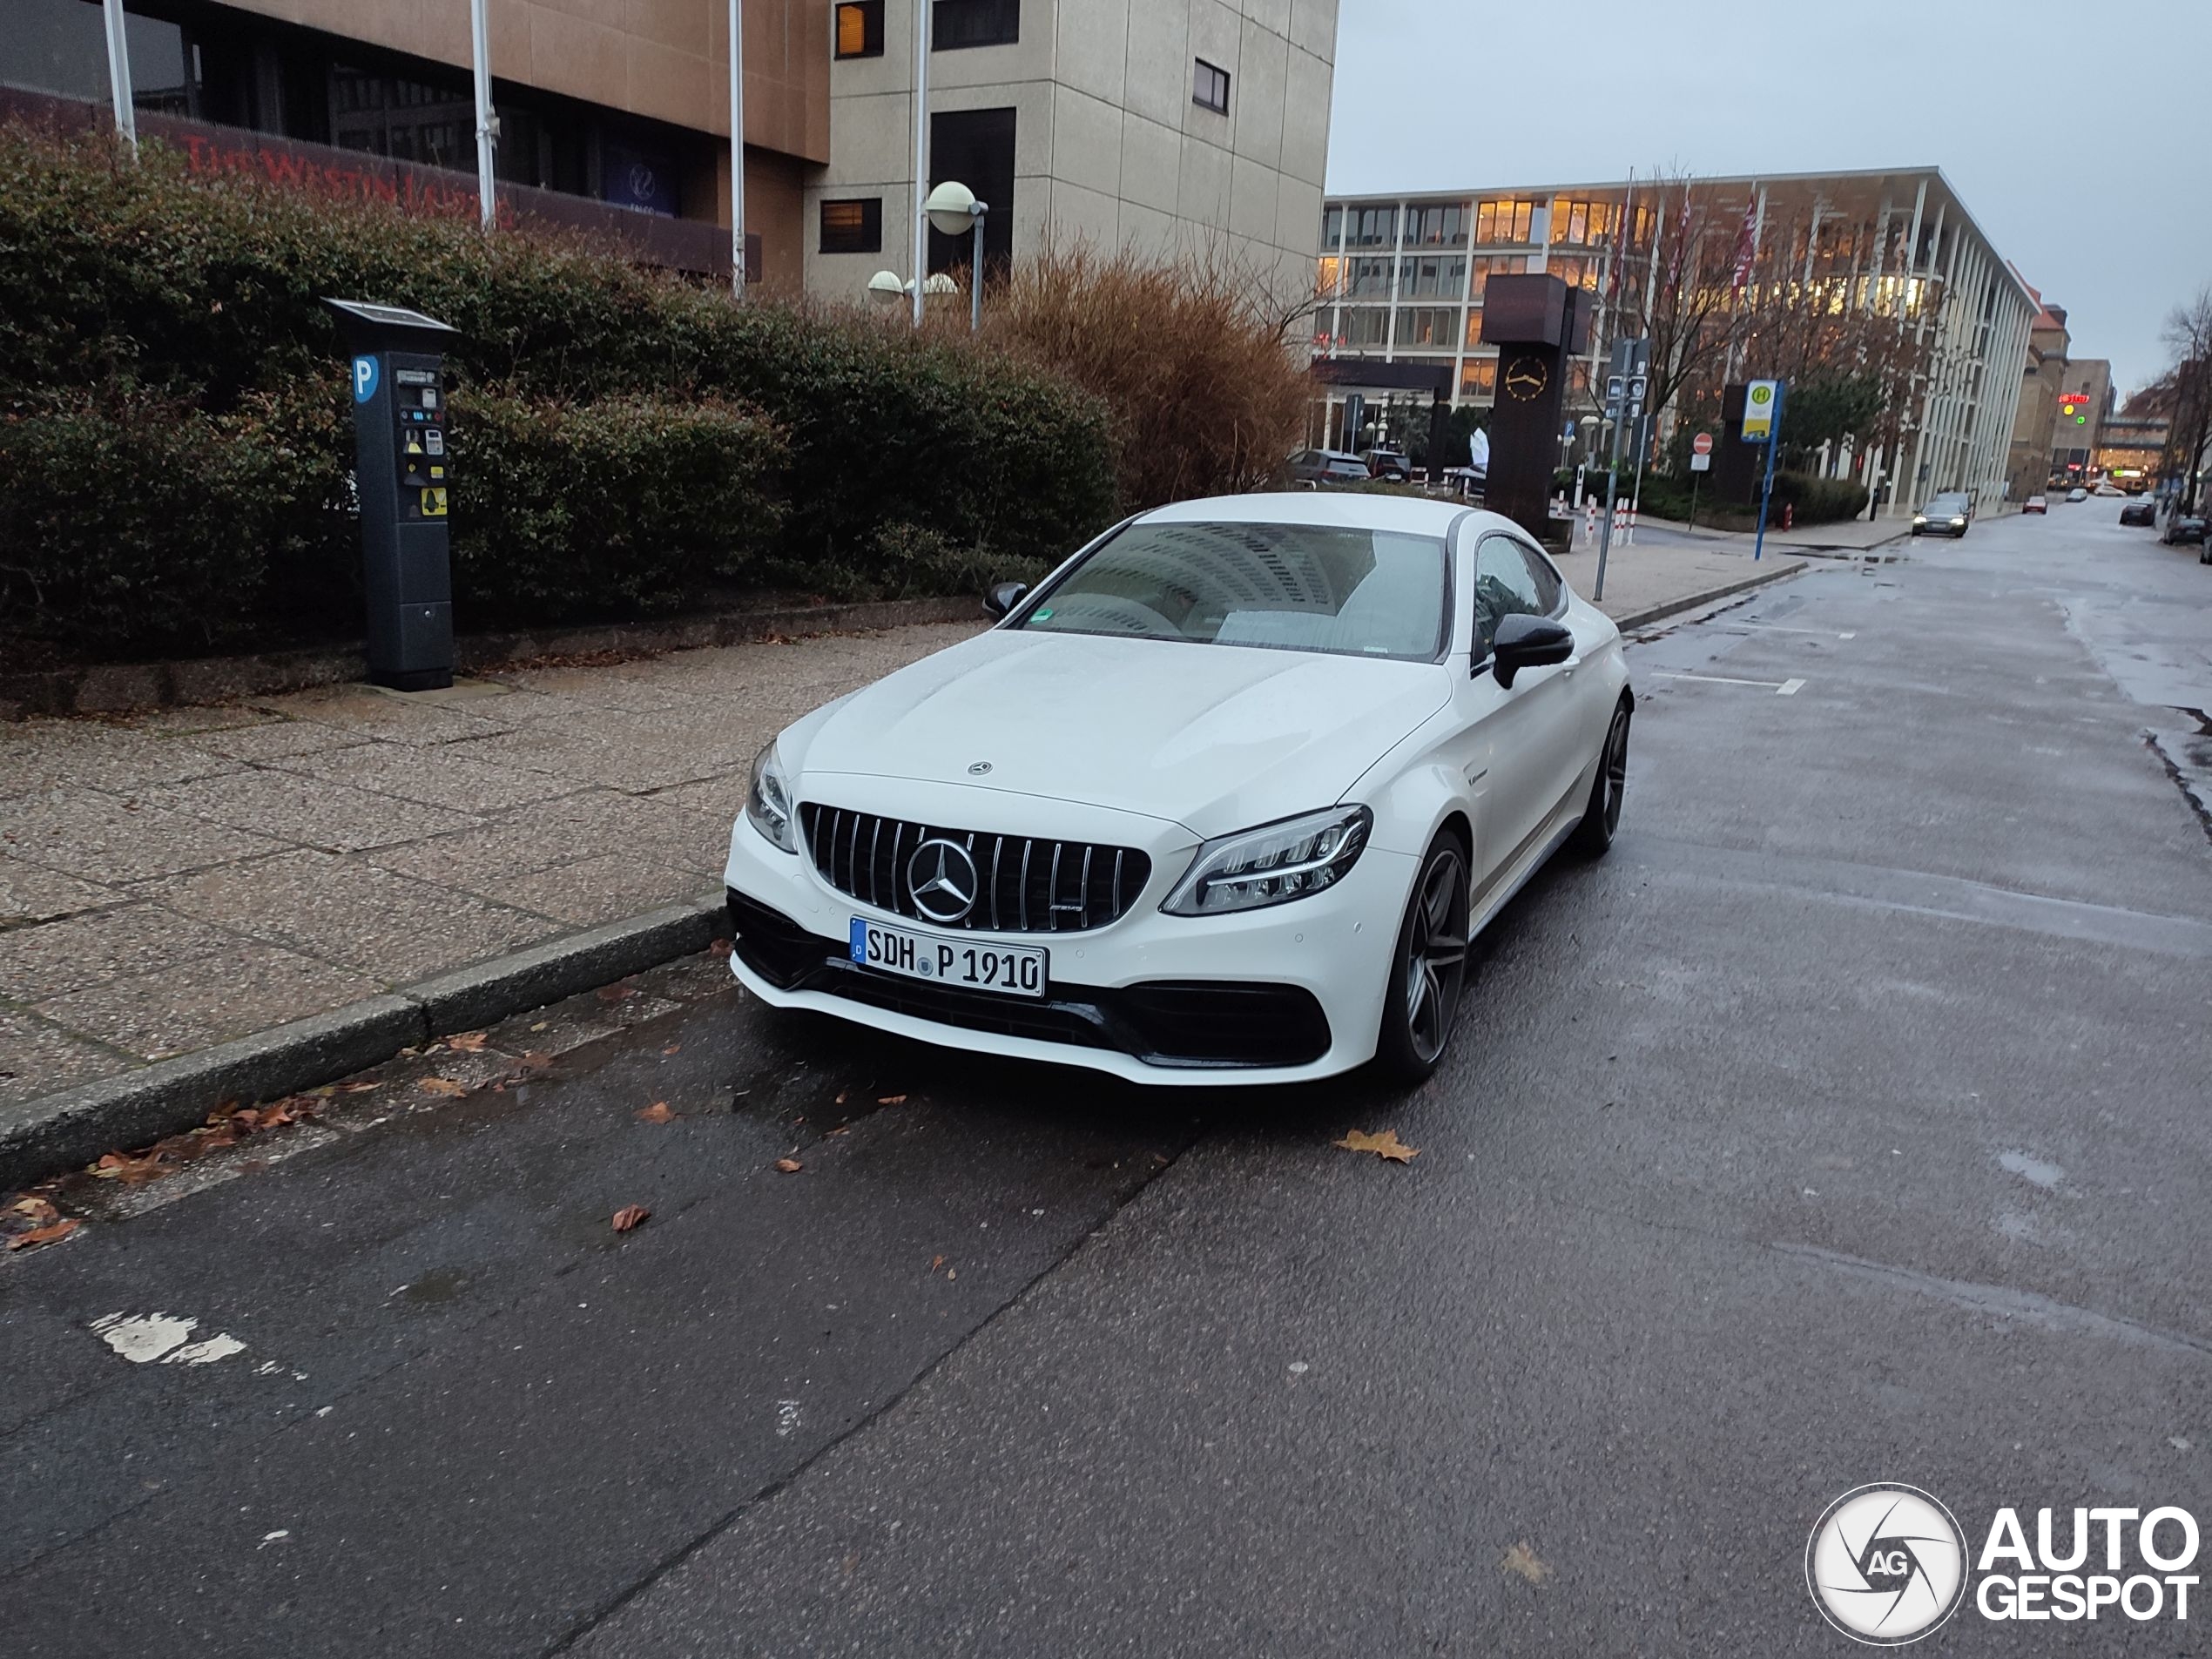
1523,641
1003,597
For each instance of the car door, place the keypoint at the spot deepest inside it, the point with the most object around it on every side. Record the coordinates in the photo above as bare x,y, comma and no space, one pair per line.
1509,736
1590,711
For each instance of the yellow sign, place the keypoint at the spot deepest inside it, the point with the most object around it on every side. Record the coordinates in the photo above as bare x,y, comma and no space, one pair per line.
1759,402
433,503
413,444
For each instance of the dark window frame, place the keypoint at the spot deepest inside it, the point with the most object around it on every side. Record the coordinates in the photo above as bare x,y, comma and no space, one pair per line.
1205,78
964,25
868,239
871,15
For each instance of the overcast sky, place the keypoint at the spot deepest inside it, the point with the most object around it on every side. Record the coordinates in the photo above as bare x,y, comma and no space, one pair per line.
2078,136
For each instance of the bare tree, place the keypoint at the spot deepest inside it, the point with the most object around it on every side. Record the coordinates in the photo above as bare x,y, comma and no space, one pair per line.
2188,333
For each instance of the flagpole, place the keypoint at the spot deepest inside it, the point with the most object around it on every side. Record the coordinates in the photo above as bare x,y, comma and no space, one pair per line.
487,123
737,150
119,74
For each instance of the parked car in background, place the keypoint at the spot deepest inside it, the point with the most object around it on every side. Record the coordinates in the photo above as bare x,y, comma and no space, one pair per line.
1387,463
2182,531
2077,494
2035,504
2106,487
2141,510
1329,469
1945,515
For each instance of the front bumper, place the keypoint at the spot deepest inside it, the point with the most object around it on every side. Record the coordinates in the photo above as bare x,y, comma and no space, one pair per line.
1286,993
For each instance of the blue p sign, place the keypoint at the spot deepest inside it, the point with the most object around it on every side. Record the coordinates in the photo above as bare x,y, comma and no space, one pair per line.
364,379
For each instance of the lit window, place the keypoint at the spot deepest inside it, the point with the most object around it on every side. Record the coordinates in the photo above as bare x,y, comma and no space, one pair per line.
1479,377
1439,227
1428,328
1505,221
1210,87
852,227
859,29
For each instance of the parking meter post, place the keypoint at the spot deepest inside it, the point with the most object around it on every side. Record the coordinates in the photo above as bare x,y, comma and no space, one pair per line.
402,478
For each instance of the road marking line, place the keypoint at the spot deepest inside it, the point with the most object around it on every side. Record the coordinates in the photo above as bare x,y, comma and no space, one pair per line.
1784,688
1783,628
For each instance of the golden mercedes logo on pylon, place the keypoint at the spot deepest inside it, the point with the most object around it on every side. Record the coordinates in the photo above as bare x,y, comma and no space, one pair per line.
1527,379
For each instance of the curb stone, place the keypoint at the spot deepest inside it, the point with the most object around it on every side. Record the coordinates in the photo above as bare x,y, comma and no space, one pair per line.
65,1130
1650,614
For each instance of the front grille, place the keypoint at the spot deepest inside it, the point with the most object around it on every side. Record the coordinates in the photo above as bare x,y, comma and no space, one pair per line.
1025,885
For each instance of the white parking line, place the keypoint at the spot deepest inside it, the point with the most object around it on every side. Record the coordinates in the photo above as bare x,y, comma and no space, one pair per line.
1782,688
1783,628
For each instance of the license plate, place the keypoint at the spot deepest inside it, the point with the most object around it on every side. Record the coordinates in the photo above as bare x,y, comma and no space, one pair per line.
1011,970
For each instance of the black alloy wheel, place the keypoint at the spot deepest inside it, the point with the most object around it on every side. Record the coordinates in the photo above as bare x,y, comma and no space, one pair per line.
1602,817
1429,967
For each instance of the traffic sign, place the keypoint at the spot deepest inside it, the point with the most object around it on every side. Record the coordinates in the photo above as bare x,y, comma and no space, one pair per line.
1702,444
1761,406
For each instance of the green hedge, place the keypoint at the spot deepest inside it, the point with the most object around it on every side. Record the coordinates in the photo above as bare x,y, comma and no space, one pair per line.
1818,500
177,325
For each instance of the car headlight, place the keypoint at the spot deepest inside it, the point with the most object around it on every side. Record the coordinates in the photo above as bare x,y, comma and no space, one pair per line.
1958,523
767,801
1273,864
1920,518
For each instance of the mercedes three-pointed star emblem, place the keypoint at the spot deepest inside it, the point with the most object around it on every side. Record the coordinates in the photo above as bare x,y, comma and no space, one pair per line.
941,878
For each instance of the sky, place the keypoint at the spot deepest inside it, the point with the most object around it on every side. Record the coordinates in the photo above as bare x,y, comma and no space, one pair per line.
2078,135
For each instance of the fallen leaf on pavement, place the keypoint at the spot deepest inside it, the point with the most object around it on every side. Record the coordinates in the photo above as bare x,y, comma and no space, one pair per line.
466,1042
45,1234
541,1025
445,1086
616,993
841,1094
891,1100
1384,1145
39,1210
670,1049
1522,1560
656,1113
720,948
936,1262
790,1166
357,1088
128,1169
631,1216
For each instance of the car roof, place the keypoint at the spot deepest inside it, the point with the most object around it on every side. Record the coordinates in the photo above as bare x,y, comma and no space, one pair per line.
1405,515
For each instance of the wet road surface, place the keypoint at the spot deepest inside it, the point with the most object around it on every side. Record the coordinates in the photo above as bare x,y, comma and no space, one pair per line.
1847,1124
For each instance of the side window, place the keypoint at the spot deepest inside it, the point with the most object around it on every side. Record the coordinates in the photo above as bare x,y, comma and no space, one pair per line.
1549,588
1503,587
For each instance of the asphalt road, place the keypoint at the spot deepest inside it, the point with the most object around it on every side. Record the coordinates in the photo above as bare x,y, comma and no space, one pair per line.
1848,1124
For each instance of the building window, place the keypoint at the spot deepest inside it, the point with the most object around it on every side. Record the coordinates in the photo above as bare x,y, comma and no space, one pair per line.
1372,228
1503,221
1210,87
859,29
1437,227
976,147
1432,277
1365,326
1428,328
1583,224
1505,265
955,24
1479,377
1575,272
1333,227
1370,278
1330,278
854,227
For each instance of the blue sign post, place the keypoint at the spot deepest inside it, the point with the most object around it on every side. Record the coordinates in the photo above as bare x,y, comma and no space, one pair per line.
1763,424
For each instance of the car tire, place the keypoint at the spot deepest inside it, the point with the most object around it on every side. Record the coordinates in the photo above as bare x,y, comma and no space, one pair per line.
1601,814
1427,966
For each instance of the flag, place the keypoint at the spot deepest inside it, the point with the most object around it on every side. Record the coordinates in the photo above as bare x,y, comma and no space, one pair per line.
1747,242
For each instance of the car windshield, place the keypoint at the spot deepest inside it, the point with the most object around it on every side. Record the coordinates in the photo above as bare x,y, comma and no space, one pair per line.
1282,587
1946,504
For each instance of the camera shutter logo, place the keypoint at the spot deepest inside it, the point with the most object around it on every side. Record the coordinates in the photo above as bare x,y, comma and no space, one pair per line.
1886,1564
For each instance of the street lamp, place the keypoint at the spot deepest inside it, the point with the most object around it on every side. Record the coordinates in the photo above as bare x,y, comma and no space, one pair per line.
887,288
954,211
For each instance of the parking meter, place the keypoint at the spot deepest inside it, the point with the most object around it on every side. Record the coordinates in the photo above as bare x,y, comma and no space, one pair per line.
402,475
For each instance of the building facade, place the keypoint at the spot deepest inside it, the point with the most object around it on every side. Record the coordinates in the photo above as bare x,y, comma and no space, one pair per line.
1169,127
2085,403
2030,464
1401,277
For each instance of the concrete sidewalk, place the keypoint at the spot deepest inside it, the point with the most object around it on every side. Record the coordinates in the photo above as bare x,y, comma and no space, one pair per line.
186,883
1855,535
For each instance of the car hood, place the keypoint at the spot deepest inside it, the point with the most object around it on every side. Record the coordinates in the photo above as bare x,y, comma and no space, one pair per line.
1215,737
